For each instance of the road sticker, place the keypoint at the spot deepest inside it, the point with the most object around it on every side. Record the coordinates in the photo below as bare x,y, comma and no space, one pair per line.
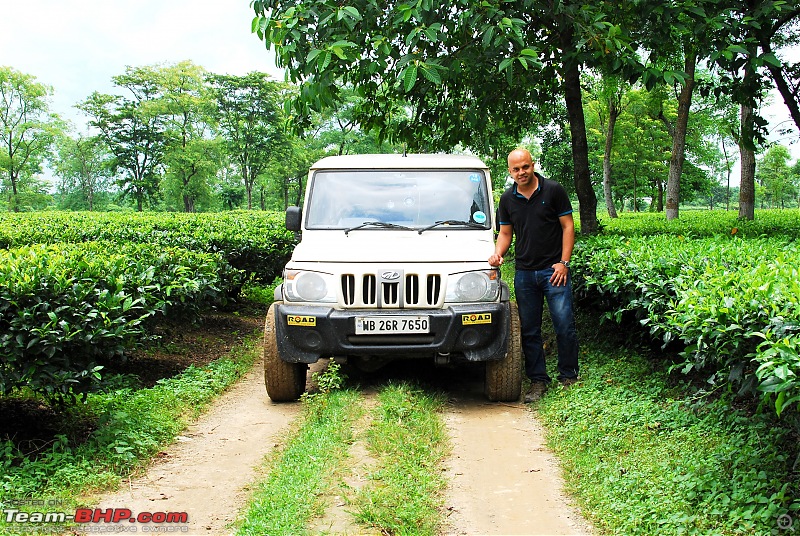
476,318
297,320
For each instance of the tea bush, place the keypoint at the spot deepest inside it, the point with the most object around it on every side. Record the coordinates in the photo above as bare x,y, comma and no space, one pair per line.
732,302
66,309
255,242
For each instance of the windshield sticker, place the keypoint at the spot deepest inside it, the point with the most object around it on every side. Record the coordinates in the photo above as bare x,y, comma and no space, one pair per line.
475,177
479,217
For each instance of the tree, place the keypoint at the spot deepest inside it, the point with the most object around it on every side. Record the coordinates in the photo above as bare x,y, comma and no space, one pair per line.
683,30
27,129
743,52
249,115
191,155
84,165
775,175
608,106
639,156
460,68
133,129
727,126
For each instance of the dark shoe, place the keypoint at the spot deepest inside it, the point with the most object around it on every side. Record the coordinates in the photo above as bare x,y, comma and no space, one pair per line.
535,392
566,382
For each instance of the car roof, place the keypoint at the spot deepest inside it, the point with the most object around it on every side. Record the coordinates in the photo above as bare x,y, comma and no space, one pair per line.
399,161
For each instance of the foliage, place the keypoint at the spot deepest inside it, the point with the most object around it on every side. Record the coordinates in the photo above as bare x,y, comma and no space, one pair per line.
83,166
26,129
66,309
779,182
192,157
254,242
305,468
644,456
725,298
133,426
133,129
704,224
249,113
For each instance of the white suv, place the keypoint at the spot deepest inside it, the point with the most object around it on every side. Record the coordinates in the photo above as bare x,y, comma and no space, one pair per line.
392,264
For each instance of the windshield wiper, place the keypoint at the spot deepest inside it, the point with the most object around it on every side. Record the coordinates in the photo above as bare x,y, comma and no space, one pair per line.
381,224
453,222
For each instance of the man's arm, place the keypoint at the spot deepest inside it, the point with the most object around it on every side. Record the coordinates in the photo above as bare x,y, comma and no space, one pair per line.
568,236
501,245
560,272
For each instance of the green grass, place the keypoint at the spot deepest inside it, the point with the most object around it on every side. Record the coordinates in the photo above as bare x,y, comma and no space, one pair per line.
301,474
132,425
402,494
644,455
407,438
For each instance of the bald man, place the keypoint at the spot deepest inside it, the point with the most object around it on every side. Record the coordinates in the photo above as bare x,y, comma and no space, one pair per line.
538,213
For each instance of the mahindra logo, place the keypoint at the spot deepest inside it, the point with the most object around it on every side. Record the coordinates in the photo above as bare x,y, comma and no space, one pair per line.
390,276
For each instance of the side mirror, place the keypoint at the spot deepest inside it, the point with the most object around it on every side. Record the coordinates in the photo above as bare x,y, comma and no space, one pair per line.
294,217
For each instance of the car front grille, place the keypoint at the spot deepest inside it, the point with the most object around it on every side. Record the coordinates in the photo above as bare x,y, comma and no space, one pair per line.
391,289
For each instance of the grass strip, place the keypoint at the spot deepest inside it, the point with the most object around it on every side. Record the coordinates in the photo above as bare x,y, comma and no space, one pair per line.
408,440
133,425
302,473
643,456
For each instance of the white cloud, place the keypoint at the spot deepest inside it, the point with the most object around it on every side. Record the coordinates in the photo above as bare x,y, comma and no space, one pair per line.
77,46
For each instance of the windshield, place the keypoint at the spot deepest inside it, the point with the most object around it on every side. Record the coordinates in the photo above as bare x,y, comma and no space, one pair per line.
346,199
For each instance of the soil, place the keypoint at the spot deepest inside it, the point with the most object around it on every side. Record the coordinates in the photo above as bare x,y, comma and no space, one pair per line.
502,478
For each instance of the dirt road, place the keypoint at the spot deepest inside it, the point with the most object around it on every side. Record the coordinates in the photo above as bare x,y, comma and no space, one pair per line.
503,480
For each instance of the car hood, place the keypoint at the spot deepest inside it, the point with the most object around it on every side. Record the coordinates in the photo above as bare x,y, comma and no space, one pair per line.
395,246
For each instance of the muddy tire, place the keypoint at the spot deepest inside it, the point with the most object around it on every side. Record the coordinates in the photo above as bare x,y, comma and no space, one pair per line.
504,376
285,381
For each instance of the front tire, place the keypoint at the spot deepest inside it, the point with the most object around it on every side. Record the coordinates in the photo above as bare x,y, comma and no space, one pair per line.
285,382
504,376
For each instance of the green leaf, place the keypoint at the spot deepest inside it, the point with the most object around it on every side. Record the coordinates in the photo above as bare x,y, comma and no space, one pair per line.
410,77
505,64
313,54
352,12
738,49
770,58
431,74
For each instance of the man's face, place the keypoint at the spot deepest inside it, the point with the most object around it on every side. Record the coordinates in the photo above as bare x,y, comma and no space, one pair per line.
520,167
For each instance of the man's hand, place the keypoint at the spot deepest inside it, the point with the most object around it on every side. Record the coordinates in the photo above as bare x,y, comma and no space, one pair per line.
495,259
560,274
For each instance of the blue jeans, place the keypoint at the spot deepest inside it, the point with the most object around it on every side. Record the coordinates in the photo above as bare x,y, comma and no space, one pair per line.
532,287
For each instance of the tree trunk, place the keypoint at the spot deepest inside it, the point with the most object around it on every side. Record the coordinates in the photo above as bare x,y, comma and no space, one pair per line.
13,202
248,187
580,146
660,203
679,140
747,157
728,172
613,113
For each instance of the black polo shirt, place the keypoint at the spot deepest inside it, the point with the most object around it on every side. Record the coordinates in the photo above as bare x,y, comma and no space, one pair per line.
535,222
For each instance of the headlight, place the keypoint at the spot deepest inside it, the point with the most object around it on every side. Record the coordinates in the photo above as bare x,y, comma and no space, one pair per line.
472,287
304,286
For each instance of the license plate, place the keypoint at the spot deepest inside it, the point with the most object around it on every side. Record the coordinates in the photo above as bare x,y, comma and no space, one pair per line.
377,325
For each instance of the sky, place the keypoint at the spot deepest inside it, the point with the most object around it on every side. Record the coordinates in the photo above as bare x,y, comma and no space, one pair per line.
77,46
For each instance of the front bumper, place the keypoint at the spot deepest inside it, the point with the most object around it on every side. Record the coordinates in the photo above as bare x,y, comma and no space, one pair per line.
469,332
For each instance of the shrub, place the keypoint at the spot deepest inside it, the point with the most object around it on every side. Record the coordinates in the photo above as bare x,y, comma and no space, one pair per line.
733,304
66,309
